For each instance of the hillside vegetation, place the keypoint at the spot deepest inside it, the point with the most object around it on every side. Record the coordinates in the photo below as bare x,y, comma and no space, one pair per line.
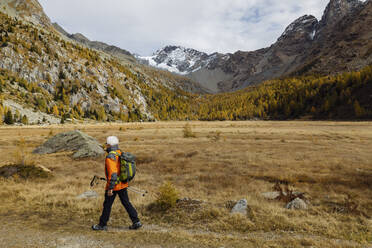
46,73
345,96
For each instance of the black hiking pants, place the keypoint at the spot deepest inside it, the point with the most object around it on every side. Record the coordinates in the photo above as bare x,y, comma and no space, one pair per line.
109,200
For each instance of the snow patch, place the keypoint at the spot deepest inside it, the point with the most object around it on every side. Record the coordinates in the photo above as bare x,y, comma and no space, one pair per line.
312,34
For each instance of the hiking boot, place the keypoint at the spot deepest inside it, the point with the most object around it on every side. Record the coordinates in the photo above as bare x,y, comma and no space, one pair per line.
135,226
99,228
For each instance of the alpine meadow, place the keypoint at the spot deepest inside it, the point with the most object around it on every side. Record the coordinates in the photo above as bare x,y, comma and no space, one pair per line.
255,148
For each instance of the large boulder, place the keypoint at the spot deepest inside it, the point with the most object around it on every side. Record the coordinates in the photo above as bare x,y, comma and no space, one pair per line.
297,204
84,145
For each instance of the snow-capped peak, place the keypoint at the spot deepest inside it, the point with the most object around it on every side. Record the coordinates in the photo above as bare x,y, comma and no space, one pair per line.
178,59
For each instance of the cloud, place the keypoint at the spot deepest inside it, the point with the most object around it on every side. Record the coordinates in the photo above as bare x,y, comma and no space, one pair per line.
143,26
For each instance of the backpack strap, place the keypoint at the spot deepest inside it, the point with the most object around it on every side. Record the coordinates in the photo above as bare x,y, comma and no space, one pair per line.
112,155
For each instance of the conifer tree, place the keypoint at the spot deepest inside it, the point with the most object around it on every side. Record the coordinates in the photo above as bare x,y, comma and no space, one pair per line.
1,114
24,120
358,110
9,118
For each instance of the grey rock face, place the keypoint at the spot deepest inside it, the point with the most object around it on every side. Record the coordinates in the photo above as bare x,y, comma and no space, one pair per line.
33,116
84,145
301,29
88,194
240,207
297,204
182,58
29,10
80,38
336,10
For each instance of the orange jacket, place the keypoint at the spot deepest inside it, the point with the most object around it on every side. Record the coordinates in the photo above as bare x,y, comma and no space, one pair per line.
112,171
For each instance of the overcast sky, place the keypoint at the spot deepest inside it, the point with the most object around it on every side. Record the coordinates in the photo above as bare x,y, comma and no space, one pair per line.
144,26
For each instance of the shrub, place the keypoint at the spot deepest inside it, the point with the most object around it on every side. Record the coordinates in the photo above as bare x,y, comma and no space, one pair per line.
21,156
187,132
167,197
215,136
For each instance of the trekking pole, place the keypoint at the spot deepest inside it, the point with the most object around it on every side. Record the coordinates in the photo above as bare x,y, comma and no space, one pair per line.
95,180
137,192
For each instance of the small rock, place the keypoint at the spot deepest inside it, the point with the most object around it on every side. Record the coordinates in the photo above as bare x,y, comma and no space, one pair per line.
88,194
44,168
297,204
271,195
240,207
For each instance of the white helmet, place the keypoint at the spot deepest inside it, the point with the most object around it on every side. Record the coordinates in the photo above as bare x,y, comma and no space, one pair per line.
112,141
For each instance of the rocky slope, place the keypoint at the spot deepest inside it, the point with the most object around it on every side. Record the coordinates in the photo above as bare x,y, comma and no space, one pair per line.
336,10
47,74
113,50
196,65
338,42
344,43
126,57
28,10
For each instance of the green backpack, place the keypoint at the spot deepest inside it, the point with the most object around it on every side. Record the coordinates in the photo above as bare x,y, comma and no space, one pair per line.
127,167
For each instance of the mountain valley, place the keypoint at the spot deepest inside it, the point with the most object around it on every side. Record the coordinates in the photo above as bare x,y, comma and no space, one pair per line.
49,75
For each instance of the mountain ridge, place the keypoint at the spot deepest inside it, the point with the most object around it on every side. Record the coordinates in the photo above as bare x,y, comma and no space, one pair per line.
78,37
49,77
296,51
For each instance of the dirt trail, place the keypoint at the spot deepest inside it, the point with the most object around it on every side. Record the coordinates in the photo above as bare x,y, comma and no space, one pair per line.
16,235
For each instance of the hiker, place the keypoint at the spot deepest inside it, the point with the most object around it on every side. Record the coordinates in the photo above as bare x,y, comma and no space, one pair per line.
112,167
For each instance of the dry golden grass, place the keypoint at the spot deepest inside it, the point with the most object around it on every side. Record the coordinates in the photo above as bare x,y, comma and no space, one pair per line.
227,161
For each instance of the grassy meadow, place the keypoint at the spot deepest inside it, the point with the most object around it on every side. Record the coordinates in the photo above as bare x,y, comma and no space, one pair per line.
212,163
